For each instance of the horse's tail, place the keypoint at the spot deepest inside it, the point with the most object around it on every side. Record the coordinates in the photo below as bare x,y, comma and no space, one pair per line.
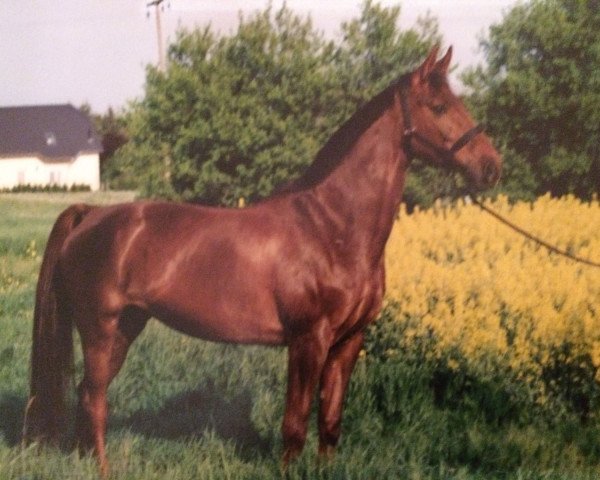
52,348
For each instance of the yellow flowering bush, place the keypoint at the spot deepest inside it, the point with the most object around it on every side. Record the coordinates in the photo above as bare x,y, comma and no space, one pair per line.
486,298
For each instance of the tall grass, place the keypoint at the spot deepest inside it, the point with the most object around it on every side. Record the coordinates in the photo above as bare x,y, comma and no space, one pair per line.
187,409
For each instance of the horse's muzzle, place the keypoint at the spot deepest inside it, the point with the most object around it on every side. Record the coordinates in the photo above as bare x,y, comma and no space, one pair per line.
490,172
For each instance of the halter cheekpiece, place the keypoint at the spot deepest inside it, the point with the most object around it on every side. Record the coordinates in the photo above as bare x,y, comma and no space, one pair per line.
410,132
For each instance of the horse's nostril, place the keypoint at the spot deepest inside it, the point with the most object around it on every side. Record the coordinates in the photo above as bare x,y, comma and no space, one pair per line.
490,172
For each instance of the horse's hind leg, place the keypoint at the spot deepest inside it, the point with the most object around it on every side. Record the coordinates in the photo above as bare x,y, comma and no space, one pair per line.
97,343
131,323
104,350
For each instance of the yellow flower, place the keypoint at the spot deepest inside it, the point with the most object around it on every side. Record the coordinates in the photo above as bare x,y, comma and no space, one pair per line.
490,295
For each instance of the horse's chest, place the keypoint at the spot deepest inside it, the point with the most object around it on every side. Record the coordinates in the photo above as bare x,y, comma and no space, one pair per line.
350,309
344,300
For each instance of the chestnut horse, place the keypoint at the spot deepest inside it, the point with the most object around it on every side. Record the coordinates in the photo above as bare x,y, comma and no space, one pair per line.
303,268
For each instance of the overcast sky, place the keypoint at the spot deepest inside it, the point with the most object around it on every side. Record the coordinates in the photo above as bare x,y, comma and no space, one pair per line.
95,51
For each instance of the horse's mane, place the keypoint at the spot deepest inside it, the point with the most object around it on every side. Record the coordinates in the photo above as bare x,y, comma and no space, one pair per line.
334,150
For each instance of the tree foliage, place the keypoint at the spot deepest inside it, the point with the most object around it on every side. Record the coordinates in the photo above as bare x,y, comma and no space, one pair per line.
236,116
540,96
111,129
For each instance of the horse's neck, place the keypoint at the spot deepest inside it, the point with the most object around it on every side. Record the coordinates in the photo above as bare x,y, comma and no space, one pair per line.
361,195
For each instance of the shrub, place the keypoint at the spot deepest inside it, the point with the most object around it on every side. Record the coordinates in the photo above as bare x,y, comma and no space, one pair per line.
54,188
488,307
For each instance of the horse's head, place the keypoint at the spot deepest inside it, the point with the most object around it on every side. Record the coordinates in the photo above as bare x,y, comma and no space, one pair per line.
438,127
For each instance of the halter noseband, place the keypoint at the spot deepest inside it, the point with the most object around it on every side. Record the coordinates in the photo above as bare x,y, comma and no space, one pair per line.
411,132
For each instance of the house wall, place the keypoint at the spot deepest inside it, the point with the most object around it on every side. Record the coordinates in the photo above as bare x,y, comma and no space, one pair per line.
85,169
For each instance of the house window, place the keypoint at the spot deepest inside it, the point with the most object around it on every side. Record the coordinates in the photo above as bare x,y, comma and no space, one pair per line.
50,139
54,178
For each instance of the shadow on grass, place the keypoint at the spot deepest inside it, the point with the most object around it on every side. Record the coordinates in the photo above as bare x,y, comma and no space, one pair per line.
190,414
12,409
184,416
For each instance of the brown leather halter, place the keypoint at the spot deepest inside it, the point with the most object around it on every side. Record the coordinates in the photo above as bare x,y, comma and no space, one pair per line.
411,132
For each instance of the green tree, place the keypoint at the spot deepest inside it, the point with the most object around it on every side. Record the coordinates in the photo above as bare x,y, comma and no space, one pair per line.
539,95
236,116
110,127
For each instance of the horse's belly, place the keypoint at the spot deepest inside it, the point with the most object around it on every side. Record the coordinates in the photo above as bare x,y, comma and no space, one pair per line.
233,326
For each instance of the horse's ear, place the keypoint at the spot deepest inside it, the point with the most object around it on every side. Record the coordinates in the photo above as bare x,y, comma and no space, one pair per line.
428,65
444,63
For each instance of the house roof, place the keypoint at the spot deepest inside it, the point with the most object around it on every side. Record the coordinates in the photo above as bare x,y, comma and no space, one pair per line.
48,131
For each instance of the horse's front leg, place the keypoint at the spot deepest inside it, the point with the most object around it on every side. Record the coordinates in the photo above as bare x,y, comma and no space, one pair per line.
307,353
334,382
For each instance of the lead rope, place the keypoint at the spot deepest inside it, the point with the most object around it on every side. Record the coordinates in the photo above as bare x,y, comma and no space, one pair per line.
532,237
411,133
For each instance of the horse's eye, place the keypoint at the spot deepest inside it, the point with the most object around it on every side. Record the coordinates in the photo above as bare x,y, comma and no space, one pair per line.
439,109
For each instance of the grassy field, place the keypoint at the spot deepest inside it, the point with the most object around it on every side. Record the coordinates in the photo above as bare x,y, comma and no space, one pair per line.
187,409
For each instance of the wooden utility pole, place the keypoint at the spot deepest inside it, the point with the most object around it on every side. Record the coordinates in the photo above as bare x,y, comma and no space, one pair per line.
161,52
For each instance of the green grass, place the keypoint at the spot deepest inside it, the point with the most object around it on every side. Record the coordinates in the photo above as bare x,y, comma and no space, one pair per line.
187,409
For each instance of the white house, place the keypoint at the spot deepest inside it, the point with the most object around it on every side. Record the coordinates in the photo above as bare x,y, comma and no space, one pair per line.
48,145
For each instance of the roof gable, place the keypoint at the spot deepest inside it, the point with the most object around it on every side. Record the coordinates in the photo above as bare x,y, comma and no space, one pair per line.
50,131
